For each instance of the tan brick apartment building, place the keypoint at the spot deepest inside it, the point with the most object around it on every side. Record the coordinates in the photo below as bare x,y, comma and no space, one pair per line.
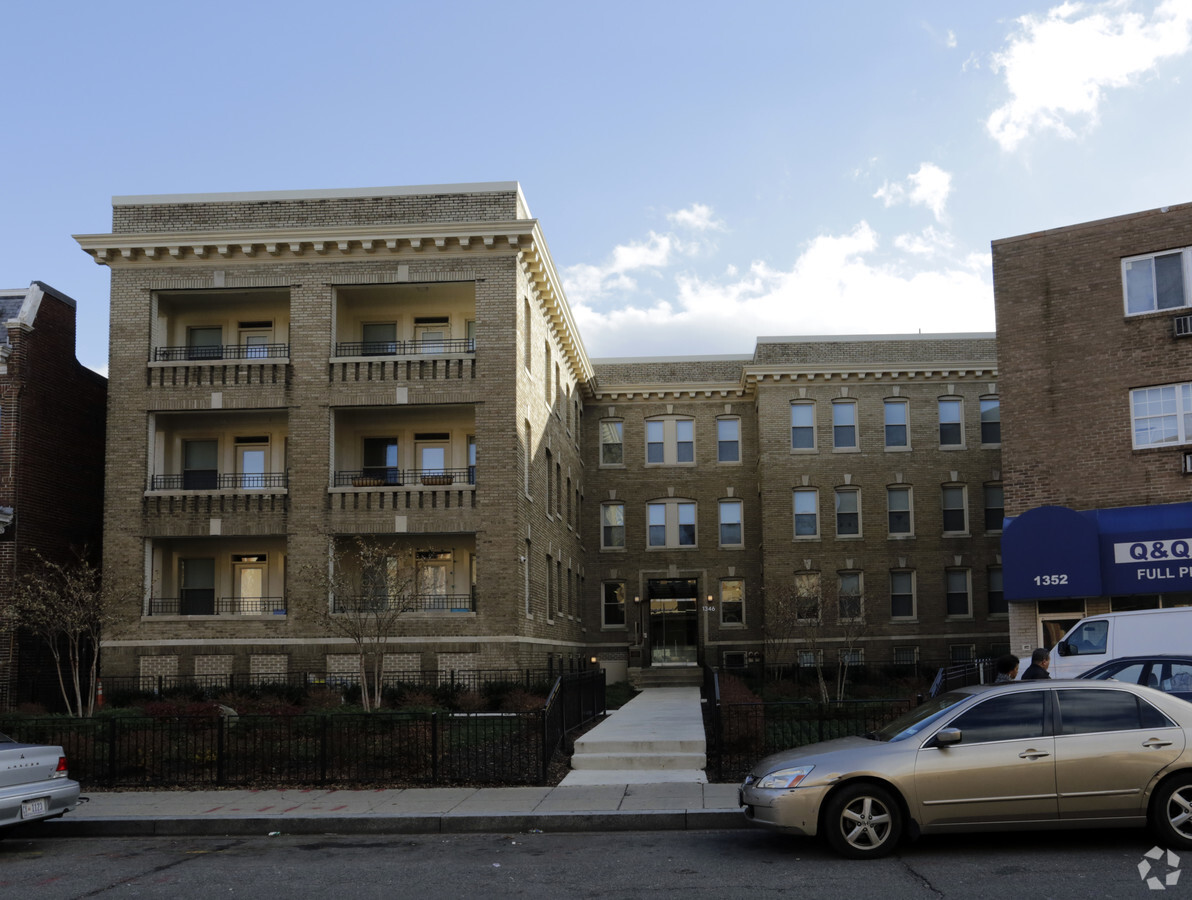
1092,326
289,370
51,463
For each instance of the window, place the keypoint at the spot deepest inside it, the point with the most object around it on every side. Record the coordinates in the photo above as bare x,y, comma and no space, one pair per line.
728,440
1162,415
957,600
205,342
806,513
902,595
951,424
844,425
991,420
200,467
993,592
251,455
1093,710
898,511
896,435
548,392
849,596
995,507
670,441
802,426
614,604
730,523
378,339
808,659
671,524
955,518
1154,282
550,481
848,512
528,348
906,656
1008,717
1089,638
732,601
380,459
527,450
612,447
471,459
612,526
807,586
961,653
852,656
197,595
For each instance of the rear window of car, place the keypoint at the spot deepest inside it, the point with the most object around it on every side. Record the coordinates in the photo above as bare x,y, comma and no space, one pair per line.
1092,711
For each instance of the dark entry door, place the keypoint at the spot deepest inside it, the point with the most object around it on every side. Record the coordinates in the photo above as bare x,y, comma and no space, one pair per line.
674,625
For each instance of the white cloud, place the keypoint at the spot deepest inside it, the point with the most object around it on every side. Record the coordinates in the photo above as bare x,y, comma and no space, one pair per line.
929,186
697,217
585,282
927,243
950,40
835,286
1058,66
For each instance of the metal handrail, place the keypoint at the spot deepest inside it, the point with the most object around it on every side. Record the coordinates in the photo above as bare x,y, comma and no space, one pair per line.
217,606
205,352
405,348
203,481
412,603
382,476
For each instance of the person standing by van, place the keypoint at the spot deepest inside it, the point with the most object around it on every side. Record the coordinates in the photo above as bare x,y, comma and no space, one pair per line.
1037,670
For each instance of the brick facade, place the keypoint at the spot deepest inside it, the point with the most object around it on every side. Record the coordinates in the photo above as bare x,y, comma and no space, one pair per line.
51,463
1070,355
515,537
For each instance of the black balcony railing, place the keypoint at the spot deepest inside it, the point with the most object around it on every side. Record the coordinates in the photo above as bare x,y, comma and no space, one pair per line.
214,481
415,603
385,477
209,352
201,602
405,348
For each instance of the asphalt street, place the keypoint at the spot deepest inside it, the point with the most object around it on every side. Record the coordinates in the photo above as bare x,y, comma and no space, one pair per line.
687,864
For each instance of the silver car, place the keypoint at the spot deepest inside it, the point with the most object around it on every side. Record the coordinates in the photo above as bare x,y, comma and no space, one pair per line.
1036,754
34,783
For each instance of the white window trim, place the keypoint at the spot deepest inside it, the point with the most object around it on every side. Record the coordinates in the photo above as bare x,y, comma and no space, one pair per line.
740,504
860,532
613,547
1183,391
910,502
672,505
914,616
814,448
1185,267
600,434
670,442
963,444
720,604
860,596
906,406
968,582
795,514
963,488
981,420
856,426
729,462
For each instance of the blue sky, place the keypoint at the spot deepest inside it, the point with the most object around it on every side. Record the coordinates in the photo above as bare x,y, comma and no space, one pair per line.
704,173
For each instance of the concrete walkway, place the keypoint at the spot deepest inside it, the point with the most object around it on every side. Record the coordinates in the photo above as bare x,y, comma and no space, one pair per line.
655,738
619,807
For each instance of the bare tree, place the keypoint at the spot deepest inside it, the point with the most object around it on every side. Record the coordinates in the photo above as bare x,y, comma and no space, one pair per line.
68,605
360,595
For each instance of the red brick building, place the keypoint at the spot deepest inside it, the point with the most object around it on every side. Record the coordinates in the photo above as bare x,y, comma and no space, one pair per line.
52,414
1096,387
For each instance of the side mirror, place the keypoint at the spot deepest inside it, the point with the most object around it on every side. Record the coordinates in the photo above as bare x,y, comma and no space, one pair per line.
1063,649
947,736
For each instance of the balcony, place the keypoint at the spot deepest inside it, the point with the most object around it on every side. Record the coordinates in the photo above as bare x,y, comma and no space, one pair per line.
200,603
437,347
208,352
383,477
450,603
213,481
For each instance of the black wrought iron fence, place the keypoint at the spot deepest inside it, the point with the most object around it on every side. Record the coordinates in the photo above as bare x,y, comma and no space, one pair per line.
395,748
206,352
739,734
405,348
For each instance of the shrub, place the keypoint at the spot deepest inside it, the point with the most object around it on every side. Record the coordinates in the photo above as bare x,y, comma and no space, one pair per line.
521,700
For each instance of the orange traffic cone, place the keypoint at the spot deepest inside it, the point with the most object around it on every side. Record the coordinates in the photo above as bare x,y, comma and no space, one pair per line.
99,693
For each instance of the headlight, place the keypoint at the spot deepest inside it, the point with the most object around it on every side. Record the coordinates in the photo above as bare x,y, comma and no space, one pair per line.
785,778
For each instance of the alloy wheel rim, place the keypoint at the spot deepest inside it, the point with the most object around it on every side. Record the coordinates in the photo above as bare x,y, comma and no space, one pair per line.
1179,811
865,823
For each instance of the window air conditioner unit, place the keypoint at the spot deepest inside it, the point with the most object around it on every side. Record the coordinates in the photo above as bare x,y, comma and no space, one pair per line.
1187,470
1183,326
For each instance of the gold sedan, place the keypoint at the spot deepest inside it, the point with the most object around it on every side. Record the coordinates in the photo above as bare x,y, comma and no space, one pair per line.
1038,754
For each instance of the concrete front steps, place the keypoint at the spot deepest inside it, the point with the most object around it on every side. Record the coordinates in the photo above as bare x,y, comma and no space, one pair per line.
656,737
666,676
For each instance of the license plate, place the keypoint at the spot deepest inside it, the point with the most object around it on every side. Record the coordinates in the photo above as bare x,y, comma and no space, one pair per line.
37,807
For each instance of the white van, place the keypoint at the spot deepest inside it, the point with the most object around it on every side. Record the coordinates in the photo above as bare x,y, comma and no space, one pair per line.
1143,632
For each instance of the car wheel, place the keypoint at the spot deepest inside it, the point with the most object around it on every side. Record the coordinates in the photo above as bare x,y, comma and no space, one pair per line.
863,821
1172,813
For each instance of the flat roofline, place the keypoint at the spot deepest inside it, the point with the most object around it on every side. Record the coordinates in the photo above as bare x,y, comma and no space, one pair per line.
611,360
479,187
841,338
1094,223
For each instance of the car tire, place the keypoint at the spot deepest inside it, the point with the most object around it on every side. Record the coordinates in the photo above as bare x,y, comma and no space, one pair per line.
1171,813
863,821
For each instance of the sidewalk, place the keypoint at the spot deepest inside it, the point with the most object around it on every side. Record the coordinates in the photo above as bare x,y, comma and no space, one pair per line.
621,807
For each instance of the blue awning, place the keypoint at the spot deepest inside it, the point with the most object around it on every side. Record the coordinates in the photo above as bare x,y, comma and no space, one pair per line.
1052,552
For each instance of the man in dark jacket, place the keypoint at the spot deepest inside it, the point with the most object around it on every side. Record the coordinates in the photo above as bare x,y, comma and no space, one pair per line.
1040,660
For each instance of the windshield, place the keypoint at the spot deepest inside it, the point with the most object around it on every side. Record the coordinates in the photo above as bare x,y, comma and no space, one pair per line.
911,723
5,739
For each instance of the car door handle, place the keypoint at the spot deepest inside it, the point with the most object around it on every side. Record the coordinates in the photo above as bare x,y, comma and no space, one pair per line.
1155,743
1032,754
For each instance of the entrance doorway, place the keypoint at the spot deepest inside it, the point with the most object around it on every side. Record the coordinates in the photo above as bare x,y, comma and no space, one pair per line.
674,625
1056,617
